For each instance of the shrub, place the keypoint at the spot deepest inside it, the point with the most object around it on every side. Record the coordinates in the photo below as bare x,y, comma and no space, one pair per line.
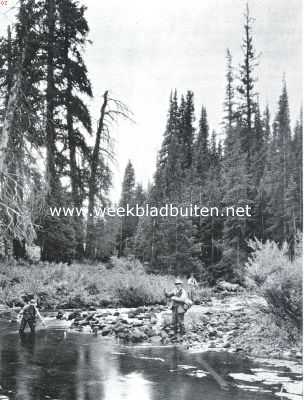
279,281
58,285
200,295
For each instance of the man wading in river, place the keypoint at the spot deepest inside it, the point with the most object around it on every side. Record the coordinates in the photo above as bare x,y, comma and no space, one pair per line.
29,313
180,304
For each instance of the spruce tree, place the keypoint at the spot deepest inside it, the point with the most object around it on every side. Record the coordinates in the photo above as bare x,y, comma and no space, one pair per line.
211,227
66,81
236,193
172,128
128,223
74,74
186,135
201,162
229,103
246,87
278,172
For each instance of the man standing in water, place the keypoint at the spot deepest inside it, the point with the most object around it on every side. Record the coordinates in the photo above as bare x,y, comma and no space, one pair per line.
28,315
179,300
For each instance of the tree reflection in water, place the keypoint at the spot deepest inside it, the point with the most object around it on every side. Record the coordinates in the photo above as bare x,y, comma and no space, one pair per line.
73,366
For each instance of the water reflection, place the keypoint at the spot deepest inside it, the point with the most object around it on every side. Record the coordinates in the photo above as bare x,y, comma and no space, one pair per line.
72,366
126,387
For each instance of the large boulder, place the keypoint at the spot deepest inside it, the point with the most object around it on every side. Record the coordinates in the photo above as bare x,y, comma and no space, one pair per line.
73,315
227,286
137,336
156,340
106,331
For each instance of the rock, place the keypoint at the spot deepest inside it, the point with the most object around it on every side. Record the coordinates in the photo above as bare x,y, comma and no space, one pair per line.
104,314
156,340
106,331
163,334
59,315
138,323
83,323
120,328
131,314
73,315
123,321
116,314
122,335
149,331
137,336
229,287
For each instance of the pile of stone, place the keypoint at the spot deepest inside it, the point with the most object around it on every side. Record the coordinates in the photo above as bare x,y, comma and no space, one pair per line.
128,325
216,328
142,324
224,325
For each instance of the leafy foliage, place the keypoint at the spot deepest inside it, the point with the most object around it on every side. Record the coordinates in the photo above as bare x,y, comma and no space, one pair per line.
279,281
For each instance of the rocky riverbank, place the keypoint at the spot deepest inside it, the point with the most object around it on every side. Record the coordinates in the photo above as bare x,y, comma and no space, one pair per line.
232,323
229,324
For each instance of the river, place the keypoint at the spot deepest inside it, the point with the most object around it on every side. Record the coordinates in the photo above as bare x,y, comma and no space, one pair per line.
63,365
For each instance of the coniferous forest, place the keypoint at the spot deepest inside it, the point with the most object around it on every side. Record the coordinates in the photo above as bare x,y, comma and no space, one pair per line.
213,302
52,153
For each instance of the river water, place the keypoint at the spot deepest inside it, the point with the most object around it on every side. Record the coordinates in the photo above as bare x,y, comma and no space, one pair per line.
56,364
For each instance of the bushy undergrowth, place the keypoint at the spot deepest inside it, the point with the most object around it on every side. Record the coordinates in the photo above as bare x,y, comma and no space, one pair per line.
201,294
279,281
123,283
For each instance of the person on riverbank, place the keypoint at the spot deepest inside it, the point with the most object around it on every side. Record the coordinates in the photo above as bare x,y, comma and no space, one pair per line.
179,306
193,285
28,315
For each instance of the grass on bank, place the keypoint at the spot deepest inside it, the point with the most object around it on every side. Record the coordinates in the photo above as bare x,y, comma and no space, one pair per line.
121,283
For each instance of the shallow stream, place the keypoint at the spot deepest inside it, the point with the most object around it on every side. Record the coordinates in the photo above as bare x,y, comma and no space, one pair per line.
63,365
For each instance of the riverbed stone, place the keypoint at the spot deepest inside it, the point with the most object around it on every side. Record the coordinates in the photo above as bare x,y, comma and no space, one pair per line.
137,336
156,340
73,315
106,331
218,325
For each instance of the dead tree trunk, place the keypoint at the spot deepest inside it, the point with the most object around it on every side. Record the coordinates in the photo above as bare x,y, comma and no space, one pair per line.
12,105
90,246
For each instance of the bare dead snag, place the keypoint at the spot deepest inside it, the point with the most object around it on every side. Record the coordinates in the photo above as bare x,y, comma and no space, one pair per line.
110,111
89,252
